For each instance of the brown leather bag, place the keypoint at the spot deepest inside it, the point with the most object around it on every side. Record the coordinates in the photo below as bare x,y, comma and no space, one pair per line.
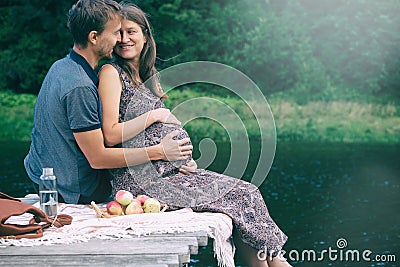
10,206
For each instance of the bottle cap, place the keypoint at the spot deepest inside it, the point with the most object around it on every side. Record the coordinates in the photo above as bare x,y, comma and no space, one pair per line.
48,171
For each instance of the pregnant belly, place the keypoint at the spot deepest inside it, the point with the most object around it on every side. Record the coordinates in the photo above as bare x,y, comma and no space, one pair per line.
153,136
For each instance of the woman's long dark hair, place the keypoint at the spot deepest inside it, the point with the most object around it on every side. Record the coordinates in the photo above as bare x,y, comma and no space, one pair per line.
148,55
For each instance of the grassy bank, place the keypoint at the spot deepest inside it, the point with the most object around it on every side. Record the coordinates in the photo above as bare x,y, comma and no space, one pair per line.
335,121
16,116
314,121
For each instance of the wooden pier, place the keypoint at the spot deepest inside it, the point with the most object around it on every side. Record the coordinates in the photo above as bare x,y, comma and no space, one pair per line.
166,250
160,246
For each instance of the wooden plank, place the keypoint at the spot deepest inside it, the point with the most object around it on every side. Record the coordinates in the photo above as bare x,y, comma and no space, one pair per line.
162,260
201,236
181,246
137,245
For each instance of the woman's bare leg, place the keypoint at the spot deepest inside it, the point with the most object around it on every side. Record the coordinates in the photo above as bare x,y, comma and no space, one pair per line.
253,258
277,262
247,253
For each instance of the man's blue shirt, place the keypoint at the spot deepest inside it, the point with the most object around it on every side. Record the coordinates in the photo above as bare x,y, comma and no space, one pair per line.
68,102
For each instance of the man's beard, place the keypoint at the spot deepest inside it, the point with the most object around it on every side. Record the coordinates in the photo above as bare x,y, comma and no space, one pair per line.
107,56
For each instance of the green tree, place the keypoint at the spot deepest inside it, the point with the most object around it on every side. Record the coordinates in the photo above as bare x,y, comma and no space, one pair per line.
249,35
304,46
356,40
278,53
33,35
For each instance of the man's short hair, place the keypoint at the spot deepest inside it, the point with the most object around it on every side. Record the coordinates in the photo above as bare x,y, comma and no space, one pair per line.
90,15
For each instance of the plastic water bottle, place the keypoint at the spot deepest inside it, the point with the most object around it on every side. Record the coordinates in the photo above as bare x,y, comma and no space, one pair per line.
48,192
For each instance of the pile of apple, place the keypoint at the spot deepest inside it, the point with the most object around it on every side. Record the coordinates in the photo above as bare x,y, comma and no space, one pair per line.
125,203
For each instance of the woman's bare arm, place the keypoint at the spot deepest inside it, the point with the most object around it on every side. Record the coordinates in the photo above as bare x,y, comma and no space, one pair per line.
116,132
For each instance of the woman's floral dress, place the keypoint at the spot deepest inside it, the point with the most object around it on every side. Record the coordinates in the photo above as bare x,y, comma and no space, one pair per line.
202,191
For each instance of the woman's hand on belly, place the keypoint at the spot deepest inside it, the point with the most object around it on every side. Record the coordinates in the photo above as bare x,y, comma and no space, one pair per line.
189,167
175,149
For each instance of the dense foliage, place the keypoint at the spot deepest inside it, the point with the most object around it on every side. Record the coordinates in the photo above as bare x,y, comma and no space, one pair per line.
315,50
335,121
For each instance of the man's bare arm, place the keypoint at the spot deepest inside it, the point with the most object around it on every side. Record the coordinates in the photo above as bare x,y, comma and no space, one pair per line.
100,157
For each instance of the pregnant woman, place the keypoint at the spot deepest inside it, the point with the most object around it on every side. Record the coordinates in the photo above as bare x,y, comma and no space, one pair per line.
134,114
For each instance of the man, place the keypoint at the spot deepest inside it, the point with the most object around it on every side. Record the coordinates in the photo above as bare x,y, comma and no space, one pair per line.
67,134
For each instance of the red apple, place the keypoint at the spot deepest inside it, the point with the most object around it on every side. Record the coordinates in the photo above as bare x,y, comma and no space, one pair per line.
142,198
114,208
124,197
136,201
134,208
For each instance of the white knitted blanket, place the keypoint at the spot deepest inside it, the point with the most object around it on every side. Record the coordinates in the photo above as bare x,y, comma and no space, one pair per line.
85,226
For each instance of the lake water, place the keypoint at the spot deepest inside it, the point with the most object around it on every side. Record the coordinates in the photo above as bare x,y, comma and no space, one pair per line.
323,196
